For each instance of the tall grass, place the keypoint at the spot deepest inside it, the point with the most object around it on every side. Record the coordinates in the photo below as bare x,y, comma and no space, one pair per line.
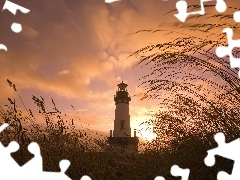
198,90
197,108
58,136
59,139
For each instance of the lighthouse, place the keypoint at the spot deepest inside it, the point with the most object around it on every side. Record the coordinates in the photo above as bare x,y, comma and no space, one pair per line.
120,138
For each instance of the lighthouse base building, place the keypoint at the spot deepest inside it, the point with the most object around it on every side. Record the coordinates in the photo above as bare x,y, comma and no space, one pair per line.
120,139
123,145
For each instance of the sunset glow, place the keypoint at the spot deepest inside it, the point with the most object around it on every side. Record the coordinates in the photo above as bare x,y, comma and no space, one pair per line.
123,89
78,52
146,132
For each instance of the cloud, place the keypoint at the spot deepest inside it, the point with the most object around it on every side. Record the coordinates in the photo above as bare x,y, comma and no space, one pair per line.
30,32
77,50
63,72
63,50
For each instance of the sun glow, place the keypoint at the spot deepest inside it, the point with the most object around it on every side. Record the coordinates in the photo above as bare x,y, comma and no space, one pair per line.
146,132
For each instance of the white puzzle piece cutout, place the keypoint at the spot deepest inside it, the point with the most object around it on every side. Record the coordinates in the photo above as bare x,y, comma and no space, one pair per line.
15,27
236,16
34,166
3,47
33,169
222,51
227,150
182,9
159,178
3,126
177,172
63,164
111,1
12,7
221,6
9,167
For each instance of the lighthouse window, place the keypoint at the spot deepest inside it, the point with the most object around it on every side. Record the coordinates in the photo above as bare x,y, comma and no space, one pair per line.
122,124
125,100
119,100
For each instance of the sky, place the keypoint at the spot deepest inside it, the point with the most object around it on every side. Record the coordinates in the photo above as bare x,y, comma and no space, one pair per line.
75,51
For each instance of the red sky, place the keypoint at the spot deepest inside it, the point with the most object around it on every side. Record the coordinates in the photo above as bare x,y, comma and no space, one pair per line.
75,52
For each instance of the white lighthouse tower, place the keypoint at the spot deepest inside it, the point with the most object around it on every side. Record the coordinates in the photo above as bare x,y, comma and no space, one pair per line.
121,135
122,118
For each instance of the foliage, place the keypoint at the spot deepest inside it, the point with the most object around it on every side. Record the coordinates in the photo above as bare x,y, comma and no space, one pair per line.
58,137
198,92
59,140
195,108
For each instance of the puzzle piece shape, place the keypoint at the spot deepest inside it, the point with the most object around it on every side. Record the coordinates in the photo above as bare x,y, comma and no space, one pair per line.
3,126
33,168
16,27
228,150
236,16
111,1
29,170
222,51
159,178
3,47
12,7
63,164
34,165
86,178
5,155
7,163
182,9
177,171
